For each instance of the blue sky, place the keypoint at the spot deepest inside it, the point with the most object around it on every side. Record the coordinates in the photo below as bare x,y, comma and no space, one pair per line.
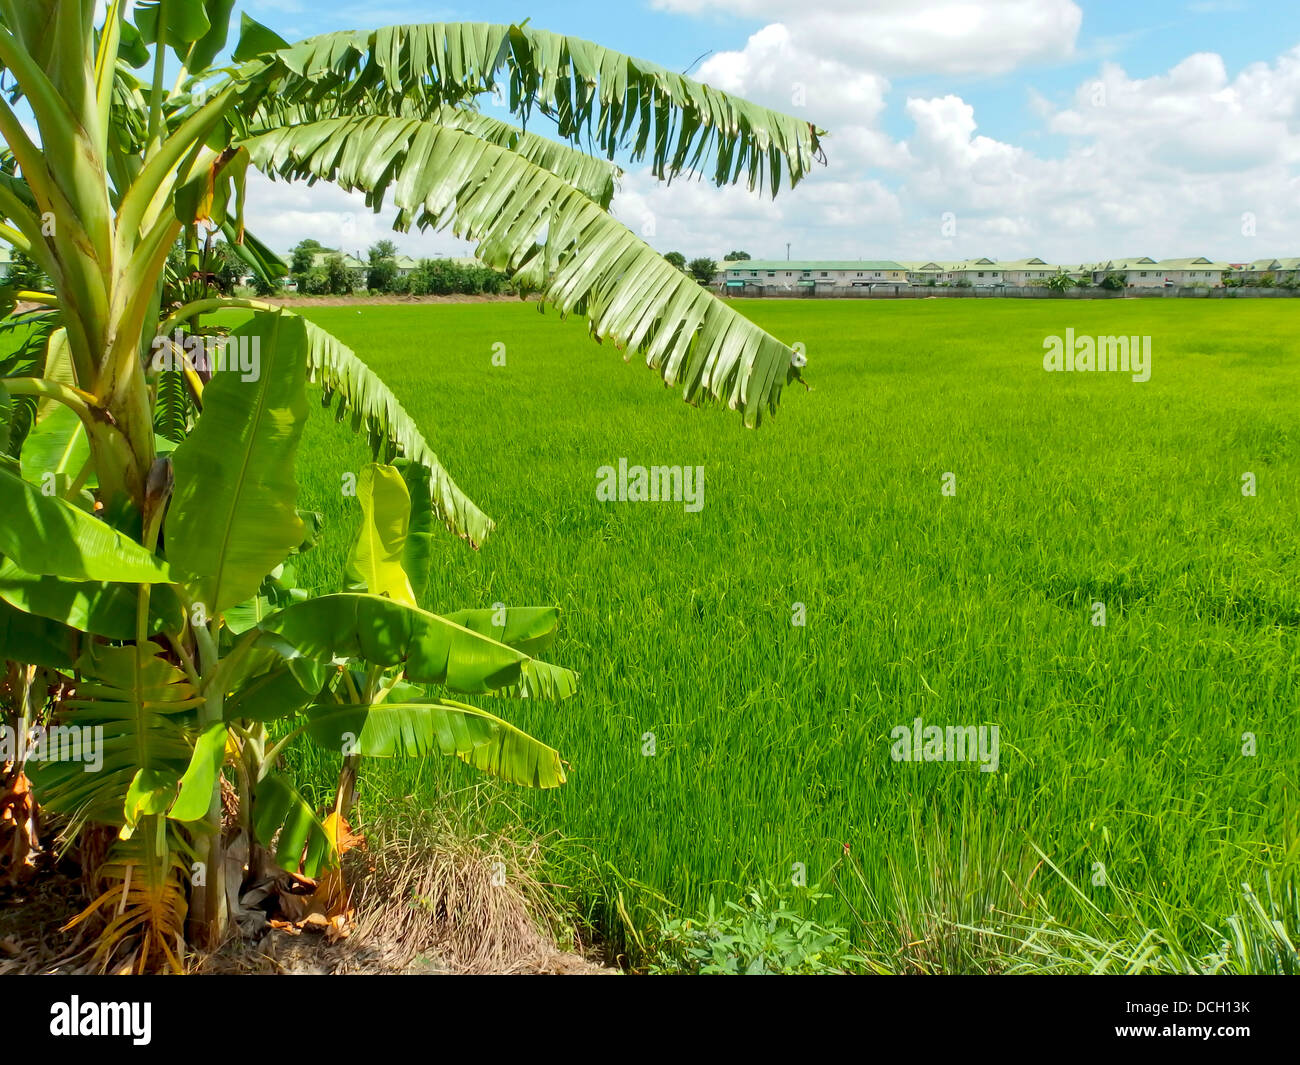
983,111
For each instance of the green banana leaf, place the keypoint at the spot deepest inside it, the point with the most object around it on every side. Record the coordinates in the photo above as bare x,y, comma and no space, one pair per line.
232,517
388,730
376,559
46,536
430,649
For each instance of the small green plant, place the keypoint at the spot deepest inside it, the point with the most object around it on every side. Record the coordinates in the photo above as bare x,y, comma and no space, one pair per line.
760,936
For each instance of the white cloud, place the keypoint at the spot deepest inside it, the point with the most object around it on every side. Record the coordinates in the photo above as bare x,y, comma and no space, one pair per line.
282,213
912,36
1165,165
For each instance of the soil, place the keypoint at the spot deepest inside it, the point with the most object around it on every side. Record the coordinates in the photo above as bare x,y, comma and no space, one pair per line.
31,943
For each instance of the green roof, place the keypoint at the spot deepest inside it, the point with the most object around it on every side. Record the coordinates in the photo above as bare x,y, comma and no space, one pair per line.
1199,263
803,264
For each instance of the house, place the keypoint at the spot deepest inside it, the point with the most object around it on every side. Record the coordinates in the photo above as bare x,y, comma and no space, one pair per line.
923,273
1279,269
405,265
796,275
1138,271
356,266
977,273
1027,271
6,259
1199,272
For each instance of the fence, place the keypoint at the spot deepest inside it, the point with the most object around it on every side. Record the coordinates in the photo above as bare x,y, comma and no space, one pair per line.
921,292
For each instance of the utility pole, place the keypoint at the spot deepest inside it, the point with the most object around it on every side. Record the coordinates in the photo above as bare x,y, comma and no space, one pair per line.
787,251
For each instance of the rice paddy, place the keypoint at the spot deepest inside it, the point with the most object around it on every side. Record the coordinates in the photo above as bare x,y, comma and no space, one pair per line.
944,517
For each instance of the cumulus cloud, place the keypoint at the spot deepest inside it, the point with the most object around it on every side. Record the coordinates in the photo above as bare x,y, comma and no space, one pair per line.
911,36
1194,160
282,213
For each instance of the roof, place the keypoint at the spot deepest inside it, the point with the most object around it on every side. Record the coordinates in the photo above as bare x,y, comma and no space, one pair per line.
814,264
349,261
1189,264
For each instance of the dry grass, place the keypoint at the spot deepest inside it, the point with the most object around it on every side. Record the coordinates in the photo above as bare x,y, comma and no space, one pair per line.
439,894
429,895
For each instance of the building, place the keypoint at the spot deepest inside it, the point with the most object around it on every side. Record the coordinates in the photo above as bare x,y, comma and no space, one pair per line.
1199,272
1278,269
924,273
794,275
1137,271
357,267
1028,271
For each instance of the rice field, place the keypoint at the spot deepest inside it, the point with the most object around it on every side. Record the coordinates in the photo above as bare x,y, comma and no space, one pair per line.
943,516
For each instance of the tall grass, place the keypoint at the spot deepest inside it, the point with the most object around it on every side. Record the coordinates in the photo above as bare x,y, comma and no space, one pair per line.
1123,801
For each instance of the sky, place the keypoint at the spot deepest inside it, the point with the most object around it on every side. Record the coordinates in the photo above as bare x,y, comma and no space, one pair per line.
1074,131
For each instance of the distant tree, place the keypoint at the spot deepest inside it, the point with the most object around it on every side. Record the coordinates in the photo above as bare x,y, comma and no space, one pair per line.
266,286
303,256
1113,282
677,259
338,278
736,256
703,269
25,274
1059,282
383,266
315,282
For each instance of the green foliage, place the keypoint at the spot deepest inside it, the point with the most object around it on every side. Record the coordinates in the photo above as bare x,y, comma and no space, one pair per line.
232,518
677,259
762,935
152,504
441,277
303,256
383,268
702,269
338,279
1060,282
1113,282
738,690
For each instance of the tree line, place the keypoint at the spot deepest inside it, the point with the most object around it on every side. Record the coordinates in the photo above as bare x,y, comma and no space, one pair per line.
431,277
703,269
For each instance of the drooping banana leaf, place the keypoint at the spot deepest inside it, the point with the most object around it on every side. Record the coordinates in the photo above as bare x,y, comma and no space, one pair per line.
389,730
430,649
529,222
45,535
359,393
36,640
101,608
286,825
530,629
590,91
375,562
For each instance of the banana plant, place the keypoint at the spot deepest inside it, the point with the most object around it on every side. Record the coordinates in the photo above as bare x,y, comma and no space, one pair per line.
150,503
